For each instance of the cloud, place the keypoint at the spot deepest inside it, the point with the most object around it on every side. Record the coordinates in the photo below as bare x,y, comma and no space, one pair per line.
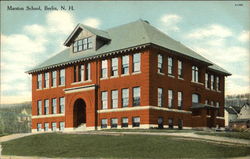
214,30
233,87
92,22
170,21
60,22
244,36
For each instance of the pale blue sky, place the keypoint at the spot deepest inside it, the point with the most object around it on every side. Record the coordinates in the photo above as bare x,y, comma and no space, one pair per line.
217,30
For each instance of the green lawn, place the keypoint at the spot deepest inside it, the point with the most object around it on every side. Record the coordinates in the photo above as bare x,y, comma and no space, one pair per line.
127,146
239,135
3,135
150,130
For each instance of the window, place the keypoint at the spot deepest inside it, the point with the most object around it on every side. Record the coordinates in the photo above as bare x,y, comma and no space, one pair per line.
124,122
54,126
105,100
206,81
137,62
180,69
114,67
125,64
160,96
180,124
81,73
114,95
62,77
212,103
195,98
136,121
53,79
62,104
125,97
136,96
104,68
46,80
82,44
160,122
217,83
39,81
104,123
75,73
61,126
170,65
160,63
212,82
46,126
170,98
54,106
195,74
114,123
180,100
206,102
87,75
170,123
39,107
39,127
217,104
46,106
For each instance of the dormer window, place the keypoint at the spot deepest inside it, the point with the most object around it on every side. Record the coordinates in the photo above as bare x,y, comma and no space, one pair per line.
82,44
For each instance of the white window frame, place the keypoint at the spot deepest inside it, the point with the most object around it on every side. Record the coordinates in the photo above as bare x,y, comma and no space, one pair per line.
61,126
180,69
53,126
195,74
136,62
46,126
54,104
39,107
170,98
46,106
39,81
160,63
125,97
212,82
62,104
62,79
114,121
104,69
88,72
104,99
39,127
124,121
180,99
125,65
104,123
114,66
46,80
53,78
114,98
170,66
136,96
217,83
136,121
160,97
206,80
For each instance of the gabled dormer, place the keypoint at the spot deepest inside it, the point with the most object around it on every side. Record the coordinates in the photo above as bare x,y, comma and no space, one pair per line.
84,39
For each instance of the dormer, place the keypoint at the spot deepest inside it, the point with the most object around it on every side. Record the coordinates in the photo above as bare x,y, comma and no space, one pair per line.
85,39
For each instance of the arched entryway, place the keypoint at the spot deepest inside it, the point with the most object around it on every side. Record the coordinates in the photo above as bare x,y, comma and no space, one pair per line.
79,115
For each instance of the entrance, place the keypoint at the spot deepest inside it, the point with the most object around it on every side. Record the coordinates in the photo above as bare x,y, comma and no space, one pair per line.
79,112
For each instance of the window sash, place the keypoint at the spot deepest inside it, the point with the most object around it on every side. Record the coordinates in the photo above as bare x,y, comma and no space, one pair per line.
62,77
136,121
136,62
104,100
104,68
180,74
136,96
160,97
170,98
114,95
217,83
46,126
62,104
104,123
39,107
54,106
170,65
46,106
88,71
125,97
180,99
125,64
61,126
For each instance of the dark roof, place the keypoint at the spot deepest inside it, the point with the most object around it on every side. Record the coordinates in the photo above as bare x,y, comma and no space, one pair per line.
230,110
200,105
237,108
138,34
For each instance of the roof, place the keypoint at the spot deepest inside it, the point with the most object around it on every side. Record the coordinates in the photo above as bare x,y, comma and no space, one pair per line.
200,105
230,110
134,35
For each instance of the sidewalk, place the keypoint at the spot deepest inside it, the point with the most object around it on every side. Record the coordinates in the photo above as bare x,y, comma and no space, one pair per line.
14,136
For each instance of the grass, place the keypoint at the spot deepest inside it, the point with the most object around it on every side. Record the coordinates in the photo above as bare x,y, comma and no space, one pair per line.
129,146
149,130
3,134
239,135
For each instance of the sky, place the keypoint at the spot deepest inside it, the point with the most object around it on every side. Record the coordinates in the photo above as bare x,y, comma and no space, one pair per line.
218,31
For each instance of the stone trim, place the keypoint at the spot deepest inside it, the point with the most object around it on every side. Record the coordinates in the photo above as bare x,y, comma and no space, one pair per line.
142,108
79,89
47,116
220,117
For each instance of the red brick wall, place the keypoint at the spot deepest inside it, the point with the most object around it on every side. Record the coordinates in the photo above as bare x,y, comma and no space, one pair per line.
148,80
